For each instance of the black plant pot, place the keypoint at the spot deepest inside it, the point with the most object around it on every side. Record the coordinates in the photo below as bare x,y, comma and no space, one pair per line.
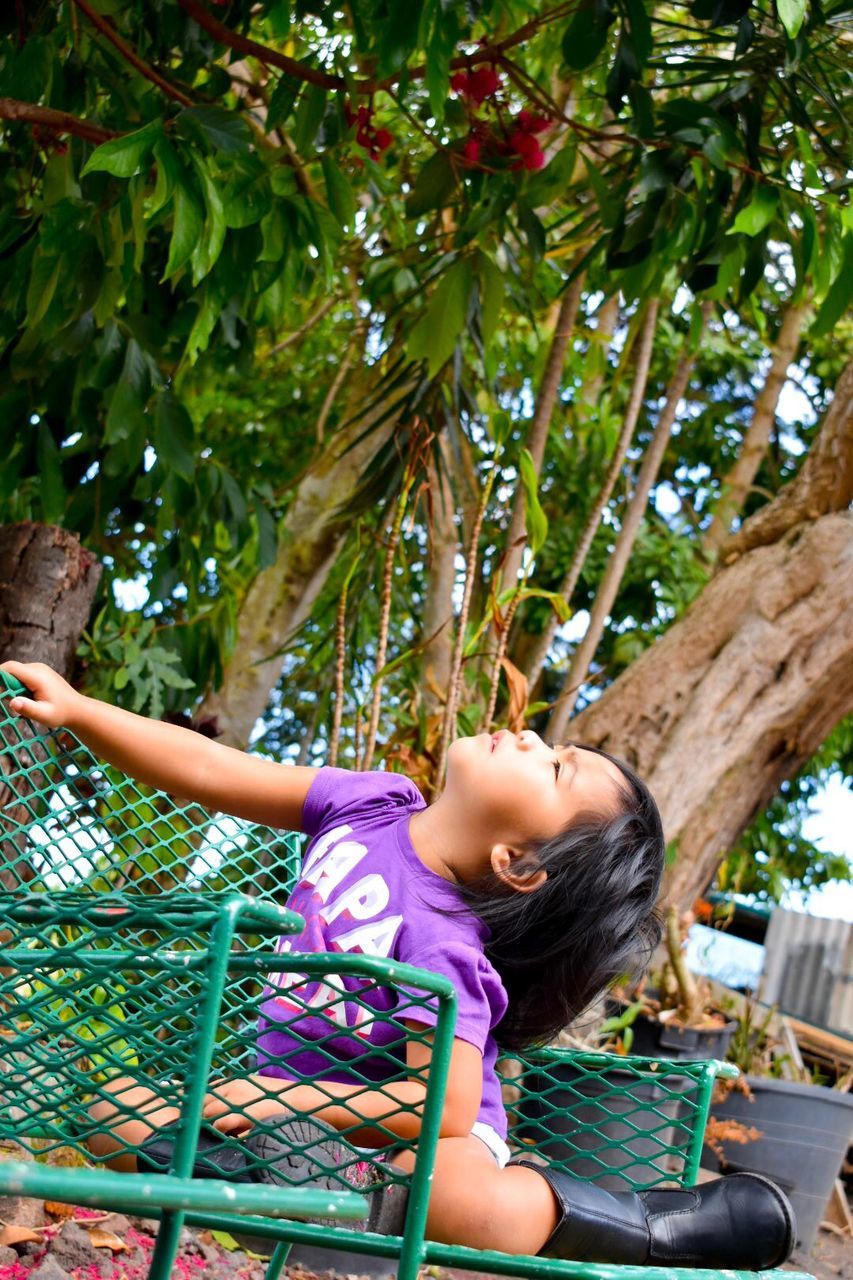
654,1039
805,1132
616,1130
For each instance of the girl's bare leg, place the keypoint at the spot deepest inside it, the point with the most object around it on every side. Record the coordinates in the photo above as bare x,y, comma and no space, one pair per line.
474,1203
136,1112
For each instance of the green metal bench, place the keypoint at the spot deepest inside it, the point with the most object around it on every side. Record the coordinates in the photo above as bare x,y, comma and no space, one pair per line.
136,942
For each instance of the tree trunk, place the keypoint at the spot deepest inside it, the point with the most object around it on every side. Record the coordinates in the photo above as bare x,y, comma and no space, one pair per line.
47,586
632,412
618,562
280,598
737,483
538,435
438,609
601,336
741,691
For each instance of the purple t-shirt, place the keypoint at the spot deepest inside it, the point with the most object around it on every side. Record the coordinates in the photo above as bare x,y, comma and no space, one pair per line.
363,889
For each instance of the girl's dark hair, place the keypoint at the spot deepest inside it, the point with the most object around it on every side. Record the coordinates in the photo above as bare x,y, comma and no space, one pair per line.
561,945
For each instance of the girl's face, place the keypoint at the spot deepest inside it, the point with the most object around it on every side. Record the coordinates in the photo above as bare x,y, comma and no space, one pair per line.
517,789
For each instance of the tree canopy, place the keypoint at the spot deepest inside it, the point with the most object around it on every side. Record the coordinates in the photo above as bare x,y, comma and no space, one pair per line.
492,282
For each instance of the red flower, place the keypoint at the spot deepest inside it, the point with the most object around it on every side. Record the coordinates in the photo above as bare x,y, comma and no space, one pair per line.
529,123
479,84
471,150
483,83
526,146
382,140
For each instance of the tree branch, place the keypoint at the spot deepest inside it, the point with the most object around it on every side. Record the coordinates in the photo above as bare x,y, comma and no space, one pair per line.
263,52
130,55
823,484
57,121
328,80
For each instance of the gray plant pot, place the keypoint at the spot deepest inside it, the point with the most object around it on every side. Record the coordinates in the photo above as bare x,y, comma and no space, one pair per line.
681,1044
805,1132
570,1132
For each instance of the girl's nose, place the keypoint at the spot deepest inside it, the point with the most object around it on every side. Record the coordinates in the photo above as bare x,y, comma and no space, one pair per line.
528,739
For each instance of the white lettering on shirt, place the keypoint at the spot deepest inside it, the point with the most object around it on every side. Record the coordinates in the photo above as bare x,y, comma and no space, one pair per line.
329,863
322,845
328,872
374,939
365,899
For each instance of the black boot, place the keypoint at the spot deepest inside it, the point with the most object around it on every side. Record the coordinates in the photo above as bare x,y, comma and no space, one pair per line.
743,1222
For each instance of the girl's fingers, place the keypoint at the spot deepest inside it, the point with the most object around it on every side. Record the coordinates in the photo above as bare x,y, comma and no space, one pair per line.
26,707
231,1124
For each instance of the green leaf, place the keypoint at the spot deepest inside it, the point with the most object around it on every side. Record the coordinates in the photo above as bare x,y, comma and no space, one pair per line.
187,228
173,435
51,488
433,187
535,519
586,34
122,157
339,193
499,427
223,129
492,288
28,70
792,15
534,231
434,336
282,100
839,296
309,117
641,30
168,174
757,214
399,35
124,419
247,196
203,325
267,534
44,278
210,242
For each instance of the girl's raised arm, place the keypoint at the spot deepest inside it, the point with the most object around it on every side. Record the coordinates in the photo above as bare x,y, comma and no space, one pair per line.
177,760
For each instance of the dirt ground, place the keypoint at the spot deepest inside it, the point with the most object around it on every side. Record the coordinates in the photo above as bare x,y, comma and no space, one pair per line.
58,1242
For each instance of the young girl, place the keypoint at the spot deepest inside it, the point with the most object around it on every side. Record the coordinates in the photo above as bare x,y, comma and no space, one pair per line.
530,883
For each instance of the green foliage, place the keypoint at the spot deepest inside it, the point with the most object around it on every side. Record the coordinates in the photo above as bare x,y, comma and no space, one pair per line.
214,267
773,853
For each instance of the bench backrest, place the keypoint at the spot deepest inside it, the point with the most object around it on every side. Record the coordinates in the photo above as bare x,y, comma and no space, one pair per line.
109,973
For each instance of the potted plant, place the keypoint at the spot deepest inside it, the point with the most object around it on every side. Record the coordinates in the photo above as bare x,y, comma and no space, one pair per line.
677,1019
621,1130
779,1119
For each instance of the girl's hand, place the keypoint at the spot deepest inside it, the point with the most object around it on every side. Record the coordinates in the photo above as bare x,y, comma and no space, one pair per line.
55,701
235,1105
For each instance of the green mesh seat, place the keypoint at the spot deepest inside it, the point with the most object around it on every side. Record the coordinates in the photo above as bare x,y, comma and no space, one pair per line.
137,942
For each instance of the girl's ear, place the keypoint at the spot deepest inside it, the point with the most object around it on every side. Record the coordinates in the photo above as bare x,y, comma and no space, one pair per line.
518,870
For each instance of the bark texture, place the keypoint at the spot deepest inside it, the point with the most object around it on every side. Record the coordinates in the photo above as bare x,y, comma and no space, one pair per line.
438,607
47,586
541,421
738,482
738,695
281,597
618,562
632,412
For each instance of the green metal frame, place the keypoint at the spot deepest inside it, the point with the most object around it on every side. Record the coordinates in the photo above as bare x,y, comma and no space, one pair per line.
137,945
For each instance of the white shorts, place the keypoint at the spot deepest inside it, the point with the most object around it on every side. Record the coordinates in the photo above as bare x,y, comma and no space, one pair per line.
484,1132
